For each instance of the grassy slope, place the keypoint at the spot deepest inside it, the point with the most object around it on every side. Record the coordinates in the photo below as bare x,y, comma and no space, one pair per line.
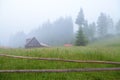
108,52
108,42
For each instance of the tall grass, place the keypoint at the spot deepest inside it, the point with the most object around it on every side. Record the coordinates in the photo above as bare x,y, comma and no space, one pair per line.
102,53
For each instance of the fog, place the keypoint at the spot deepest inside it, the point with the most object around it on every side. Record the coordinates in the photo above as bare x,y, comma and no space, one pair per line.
27,16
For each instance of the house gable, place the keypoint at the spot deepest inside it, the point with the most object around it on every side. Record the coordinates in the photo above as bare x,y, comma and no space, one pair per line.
33,43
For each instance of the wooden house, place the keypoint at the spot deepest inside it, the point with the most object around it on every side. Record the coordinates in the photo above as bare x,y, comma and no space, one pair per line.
34,43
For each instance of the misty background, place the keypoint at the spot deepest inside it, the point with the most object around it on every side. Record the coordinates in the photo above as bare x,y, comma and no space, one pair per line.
21,19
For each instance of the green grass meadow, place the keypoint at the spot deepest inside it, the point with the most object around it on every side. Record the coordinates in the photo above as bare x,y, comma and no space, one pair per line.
109,51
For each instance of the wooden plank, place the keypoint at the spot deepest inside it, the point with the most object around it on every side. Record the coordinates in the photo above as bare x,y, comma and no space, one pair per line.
60,70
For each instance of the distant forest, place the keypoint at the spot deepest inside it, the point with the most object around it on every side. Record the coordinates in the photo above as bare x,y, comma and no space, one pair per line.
61,31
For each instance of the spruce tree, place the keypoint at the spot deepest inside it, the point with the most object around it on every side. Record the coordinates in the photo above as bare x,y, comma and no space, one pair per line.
80,18
102,25
118,27
80,38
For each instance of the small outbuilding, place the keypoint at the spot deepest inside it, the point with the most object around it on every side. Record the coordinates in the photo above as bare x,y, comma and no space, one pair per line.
34,43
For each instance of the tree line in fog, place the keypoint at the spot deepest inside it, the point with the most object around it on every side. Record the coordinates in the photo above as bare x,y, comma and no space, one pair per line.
61,31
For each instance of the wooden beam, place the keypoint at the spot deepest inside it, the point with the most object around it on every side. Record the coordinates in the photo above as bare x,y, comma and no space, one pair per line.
60,70
62,60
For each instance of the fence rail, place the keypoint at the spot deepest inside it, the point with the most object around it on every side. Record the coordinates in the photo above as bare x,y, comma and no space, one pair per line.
62,60
60,70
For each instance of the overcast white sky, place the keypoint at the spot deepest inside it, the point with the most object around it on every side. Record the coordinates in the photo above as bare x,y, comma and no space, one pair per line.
25,15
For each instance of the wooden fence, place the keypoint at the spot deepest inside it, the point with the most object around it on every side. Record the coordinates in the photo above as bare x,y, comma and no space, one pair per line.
61,70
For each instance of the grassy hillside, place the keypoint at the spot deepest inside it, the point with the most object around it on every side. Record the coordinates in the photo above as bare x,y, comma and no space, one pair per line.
108,42
91,52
